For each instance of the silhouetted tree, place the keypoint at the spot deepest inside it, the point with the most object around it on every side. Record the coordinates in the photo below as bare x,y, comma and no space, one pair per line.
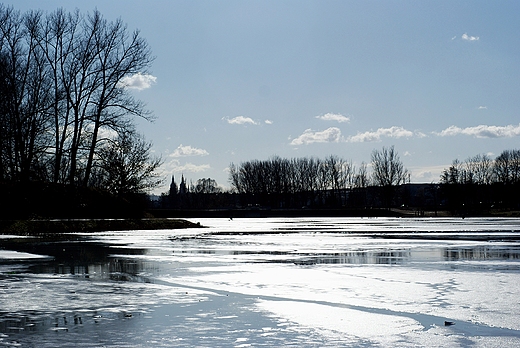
480,169
62,78
388,172
25,96
453,175
507,167
207,186
125,165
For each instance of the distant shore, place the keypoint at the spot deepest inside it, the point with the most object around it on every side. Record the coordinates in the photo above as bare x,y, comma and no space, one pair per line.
43,227
262,212
176,219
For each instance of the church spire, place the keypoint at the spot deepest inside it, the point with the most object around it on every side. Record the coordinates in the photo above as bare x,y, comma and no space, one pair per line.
173,187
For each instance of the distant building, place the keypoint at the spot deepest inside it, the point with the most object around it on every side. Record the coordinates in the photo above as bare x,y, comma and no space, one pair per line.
182,187
173,187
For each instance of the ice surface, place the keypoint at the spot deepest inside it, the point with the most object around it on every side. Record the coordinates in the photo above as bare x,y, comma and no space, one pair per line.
273,282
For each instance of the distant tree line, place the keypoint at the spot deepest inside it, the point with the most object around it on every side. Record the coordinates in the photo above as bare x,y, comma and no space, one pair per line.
474,186
482,170
299,182
481,181
66,116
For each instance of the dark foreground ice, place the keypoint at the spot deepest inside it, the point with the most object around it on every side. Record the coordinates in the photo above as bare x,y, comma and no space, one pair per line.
267,283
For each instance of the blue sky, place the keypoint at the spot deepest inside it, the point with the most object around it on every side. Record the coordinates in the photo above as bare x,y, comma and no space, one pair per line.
241,80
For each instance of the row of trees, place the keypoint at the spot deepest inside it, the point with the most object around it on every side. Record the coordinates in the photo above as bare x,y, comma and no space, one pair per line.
278,175
473,186
296,183
482,170
480,182
66,114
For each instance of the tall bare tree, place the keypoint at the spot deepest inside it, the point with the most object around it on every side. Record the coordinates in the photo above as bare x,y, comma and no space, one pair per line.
361,179
454,174
387,168
479,169
388,172
507,167
25,92
125,165
119,54
63,86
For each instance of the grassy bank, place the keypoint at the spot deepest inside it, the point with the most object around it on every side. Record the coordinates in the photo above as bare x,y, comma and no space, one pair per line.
42,227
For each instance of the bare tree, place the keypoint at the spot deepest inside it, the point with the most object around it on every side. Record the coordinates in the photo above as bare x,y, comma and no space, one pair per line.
234,178
388,172
361,179
507,167
454,174
88,59
125,165
119,55
479,169
57,38
207,186
24,95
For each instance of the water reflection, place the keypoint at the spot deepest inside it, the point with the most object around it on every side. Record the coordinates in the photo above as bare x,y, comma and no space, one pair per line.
79,261
117,268
482,252
88,259
379,256
82,258
390,257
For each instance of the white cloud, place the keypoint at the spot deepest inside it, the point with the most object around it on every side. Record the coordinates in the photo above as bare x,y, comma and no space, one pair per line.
137,81
240,120
334,117
105,133
183,151
482,107
329,135
392,132
483,131
469,38
268,122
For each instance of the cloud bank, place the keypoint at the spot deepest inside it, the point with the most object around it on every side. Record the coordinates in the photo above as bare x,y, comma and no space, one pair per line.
184,151
371,136
483,131
329,135
334,117
137,81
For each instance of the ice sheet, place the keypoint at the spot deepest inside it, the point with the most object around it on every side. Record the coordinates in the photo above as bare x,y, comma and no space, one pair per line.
272,282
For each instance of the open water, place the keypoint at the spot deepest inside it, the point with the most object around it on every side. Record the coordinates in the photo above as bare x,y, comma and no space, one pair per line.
299,282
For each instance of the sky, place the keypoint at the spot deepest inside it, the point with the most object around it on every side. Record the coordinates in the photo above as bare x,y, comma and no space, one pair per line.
234,81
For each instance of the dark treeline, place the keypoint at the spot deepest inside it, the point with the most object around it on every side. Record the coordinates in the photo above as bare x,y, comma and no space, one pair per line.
297,183
66,114
475,186
480,183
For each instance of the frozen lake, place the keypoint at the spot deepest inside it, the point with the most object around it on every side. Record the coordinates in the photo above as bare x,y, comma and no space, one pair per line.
300,282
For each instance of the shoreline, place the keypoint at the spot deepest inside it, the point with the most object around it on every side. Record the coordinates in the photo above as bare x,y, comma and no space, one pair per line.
176,219
59,226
